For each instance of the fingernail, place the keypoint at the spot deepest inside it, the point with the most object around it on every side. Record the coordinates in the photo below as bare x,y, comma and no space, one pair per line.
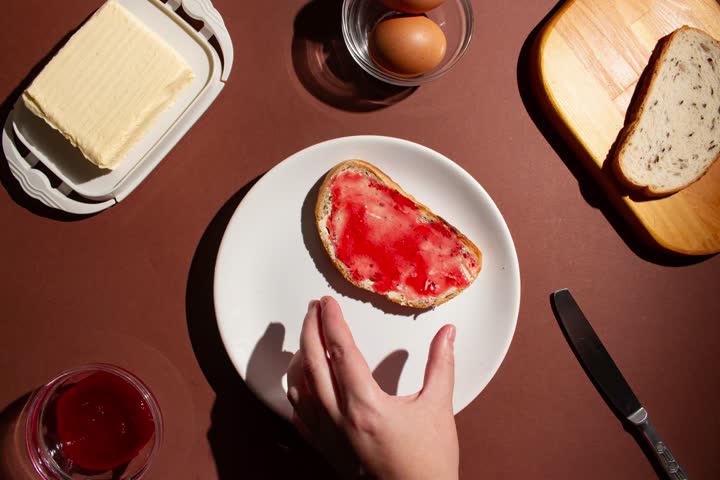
312,304
293,396
451,334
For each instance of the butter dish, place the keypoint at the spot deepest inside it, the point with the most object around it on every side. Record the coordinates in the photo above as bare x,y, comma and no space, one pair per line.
76,185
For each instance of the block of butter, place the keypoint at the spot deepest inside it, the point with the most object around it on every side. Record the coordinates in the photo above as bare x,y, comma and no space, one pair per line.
108,84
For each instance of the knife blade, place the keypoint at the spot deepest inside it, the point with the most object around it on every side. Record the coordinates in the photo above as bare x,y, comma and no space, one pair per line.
600,366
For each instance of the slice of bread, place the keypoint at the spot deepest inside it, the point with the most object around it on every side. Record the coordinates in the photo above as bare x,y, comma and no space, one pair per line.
672,133
382,240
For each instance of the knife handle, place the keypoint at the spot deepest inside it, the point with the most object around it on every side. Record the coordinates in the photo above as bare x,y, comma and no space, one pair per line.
662,453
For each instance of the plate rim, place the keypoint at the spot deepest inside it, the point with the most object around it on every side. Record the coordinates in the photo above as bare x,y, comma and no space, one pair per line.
513,267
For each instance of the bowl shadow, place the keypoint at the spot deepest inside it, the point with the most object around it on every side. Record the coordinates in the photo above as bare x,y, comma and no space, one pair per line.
325,67
590,189
13,462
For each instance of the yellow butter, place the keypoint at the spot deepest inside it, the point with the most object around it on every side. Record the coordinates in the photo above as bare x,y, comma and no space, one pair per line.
108,84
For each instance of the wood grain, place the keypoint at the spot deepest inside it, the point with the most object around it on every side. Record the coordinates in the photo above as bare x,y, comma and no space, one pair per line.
589,57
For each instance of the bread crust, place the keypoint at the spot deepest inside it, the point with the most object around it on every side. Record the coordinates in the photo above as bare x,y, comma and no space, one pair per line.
323,208
635,112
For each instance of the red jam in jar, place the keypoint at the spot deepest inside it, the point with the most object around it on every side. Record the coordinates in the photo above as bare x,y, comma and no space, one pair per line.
103,422
382,236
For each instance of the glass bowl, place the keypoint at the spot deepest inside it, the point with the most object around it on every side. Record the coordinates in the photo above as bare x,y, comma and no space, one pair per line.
100,386
359,17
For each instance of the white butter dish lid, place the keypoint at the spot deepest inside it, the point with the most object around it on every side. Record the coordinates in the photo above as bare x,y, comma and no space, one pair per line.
101,187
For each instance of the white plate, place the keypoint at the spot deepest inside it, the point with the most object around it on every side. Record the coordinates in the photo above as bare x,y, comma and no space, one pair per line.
271,263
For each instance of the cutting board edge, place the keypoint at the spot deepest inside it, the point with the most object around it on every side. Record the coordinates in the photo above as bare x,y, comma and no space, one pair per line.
553,112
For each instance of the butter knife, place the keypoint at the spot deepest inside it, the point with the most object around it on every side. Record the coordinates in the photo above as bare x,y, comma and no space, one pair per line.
601,368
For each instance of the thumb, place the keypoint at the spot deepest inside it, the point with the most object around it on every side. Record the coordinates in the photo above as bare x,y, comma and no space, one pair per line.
440,368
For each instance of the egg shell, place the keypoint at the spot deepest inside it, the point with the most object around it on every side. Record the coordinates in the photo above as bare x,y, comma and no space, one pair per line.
412,6
407,45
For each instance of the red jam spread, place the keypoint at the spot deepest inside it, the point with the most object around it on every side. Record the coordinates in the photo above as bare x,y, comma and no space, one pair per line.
381,236
103,422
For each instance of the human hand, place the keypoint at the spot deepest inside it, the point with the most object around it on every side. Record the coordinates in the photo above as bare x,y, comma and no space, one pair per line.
341,410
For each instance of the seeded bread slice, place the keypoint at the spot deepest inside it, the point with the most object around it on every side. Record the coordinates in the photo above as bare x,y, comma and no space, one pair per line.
324,209
672,135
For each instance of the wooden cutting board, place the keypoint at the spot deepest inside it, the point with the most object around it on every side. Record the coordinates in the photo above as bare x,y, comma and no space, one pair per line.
588,58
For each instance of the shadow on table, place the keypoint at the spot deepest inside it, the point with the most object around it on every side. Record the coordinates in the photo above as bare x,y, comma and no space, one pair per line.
247,439
591,191
325,68
245,436
13,462
627,425
9,182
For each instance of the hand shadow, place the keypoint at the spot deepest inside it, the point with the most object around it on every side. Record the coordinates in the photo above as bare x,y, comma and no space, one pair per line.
244,434
325,67
267,365
244,431
636,238
387,373
335,280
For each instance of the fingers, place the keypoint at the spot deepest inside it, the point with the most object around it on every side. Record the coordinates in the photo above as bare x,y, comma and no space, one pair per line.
314,363
350,370
298,393
440,368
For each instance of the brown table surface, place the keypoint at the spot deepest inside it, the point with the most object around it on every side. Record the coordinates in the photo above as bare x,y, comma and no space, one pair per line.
133,285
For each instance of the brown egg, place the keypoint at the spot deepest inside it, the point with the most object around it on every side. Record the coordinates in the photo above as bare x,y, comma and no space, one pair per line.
412,6
407,45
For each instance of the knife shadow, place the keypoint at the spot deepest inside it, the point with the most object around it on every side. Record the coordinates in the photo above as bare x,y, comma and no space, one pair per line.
628,426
